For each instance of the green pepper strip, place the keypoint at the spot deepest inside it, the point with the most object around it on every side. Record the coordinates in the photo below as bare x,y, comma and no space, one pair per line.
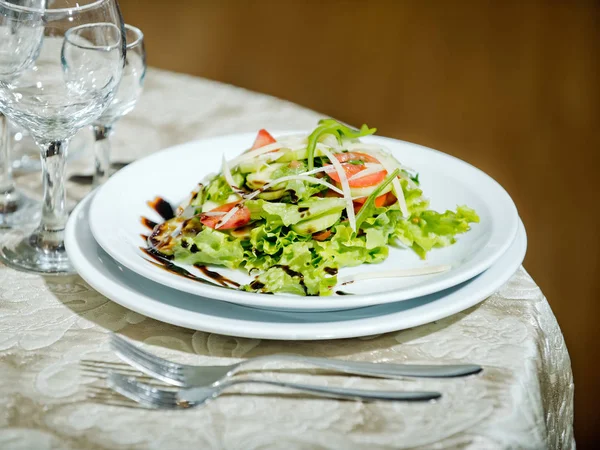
330,126
362,214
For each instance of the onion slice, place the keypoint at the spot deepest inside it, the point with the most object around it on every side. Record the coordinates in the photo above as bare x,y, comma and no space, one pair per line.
345,188
370,169
418,271
397,187
227,216
257,152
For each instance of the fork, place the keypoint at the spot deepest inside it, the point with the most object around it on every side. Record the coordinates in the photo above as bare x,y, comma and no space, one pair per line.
190,376
153,397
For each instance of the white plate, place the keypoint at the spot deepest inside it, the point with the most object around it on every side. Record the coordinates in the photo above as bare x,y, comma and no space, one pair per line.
119,205
179,308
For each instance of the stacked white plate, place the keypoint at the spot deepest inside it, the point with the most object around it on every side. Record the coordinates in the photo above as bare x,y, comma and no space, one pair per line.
104,240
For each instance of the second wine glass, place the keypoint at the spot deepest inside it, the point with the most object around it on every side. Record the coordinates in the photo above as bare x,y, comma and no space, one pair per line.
69,84
123,102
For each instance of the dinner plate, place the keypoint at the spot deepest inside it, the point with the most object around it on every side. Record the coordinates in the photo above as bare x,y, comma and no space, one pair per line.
120,204
127,288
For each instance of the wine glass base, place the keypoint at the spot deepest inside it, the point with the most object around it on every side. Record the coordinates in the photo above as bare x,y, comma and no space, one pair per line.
28,256
18,210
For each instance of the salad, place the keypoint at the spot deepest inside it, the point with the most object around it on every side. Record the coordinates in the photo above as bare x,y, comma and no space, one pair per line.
292,211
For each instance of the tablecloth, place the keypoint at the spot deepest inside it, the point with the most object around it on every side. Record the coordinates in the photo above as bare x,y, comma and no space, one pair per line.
523,398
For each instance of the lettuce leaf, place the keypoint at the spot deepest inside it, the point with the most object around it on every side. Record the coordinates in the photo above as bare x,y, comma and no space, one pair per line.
429,229
210,247
277,214
218,190
301,189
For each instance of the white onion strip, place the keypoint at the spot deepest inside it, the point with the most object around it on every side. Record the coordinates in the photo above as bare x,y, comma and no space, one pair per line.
370,169
229,178
227,174
301,177
418,271
377,149
213,213
257,152
227,216
287,142
273,154
400,196
345,188
397,187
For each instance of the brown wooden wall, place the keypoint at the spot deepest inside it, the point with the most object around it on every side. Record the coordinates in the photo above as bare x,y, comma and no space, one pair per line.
510,86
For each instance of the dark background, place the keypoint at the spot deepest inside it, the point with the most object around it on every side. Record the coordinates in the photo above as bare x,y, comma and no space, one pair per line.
510,86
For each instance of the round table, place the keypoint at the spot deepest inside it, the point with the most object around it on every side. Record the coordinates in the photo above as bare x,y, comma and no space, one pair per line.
48,326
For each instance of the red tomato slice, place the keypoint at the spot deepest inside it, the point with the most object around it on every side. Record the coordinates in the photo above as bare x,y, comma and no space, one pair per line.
353,169
390,199
332,193
262,138
355,156
321,235
240,218
379,202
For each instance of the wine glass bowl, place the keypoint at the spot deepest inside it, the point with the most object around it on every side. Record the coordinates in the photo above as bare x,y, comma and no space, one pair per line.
70,84
68,81
123,102
21,35
20,39
132,80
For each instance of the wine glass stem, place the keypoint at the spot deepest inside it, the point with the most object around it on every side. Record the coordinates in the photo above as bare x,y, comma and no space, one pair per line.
102,153
7,188
54,208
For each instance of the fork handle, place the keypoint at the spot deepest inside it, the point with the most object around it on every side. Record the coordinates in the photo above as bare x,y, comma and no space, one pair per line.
383,370
199,394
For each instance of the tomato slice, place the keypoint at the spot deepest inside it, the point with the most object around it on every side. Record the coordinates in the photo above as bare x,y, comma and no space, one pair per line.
380,201
352,169
321,235
262,138
240,218
332,193
355,156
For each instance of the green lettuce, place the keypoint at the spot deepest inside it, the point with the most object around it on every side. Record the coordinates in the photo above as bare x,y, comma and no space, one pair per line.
302,190
429,229
278,214
335,128
210,247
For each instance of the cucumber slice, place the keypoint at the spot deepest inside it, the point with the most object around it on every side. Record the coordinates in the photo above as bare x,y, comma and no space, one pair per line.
297,155
257,180
253,165
366,191
316,207
272,195
317,224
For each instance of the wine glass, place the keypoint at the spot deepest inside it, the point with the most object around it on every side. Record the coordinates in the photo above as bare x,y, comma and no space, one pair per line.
65,86
18,47
123,102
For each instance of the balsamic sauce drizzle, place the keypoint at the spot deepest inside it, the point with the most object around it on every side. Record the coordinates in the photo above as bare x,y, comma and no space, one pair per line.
222,280
164,262
166,211
150,224
162,207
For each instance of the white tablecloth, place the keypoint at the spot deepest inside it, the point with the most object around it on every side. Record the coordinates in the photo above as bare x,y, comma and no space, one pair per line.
523,399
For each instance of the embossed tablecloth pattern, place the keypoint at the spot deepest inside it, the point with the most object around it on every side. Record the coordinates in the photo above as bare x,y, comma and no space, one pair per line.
523,399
